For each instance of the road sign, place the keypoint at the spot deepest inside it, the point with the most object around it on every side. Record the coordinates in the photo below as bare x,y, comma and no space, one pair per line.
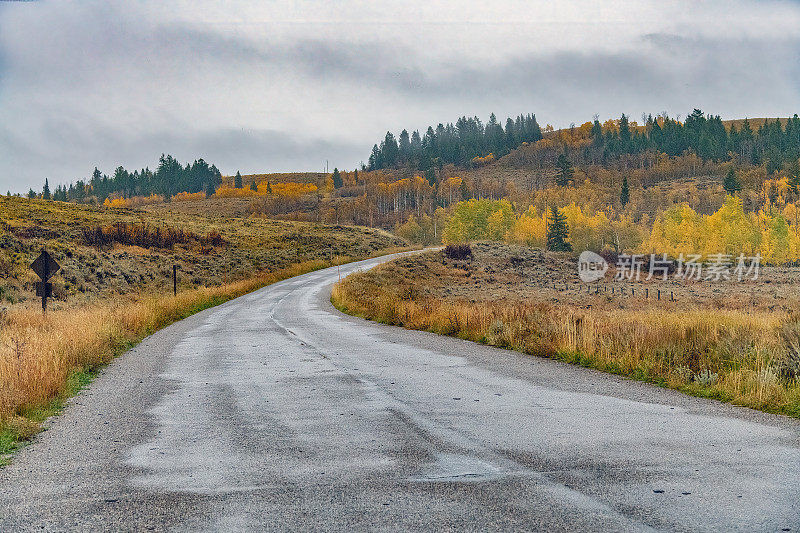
45,266
44,289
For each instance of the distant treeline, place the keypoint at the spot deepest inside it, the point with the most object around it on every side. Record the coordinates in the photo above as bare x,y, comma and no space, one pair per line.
457,143
170,178
469,141
706,136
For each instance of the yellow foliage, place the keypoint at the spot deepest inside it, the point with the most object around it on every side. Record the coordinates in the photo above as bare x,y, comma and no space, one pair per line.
587,232
288,190
475,220
188,196
134,201
775,191
680,230
530,228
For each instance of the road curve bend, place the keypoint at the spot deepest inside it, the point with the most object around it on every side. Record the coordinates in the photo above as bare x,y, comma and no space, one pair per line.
276,412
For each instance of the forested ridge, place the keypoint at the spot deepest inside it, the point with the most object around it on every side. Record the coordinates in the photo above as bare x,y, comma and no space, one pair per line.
468,140
169,178
457,143
664,184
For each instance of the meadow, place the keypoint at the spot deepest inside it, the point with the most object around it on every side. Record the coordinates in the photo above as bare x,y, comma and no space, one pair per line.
115,288
704,343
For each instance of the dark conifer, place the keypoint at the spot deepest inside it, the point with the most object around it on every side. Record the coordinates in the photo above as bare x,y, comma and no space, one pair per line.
557,232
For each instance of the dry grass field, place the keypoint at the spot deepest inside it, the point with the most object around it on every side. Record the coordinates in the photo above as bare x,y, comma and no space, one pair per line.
247,246
115,286
737,342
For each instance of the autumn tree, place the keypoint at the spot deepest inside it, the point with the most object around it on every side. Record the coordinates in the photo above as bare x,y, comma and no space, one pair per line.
625,193
474,220
565,171
237,181
557,232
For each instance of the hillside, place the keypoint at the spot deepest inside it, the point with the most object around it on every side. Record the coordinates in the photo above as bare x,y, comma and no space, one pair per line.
619,179
238,248
115,286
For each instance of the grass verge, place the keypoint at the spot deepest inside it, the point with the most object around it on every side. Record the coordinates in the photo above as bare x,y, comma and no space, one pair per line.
746,358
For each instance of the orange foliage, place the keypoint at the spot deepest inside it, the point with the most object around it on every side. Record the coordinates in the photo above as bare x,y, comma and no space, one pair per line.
481,161
287,190
188,196
134,201
231,192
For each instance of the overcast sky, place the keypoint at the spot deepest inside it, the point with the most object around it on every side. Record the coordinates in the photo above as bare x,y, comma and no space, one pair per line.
280,86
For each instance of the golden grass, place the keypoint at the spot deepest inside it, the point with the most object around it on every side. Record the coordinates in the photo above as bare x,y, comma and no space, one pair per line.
730,355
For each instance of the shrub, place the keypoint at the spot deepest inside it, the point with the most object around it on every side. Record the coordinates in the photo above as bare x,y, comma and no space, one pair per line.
145,236
6,265
458,251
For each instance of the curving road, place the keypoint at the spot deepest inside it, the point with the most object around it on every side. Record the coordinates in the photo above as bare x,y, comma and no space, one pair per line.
276,412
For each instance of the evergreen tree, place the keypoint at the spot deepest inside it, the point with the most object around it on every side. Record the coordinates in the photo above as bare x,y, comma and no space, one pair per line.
337,179
269,188
404,147
237,181
355,176
557,232
60,194
565,170
254,187
510,135
389,150
46,191
31,193
794,176
624,133
731,183
430,175
597,133
625,193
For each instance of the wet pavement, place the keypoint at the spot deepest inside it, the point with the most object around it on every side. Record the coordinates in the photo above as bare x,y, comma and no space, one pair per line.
276,412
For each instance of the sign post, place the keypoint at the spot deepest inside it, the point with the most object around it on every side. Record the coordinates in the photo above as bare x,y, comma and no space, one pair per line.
174,280
45,266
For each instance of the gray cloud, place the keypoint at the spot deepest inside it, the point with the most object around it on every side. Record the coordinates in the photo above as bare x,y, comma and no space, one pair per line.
250,151
106,83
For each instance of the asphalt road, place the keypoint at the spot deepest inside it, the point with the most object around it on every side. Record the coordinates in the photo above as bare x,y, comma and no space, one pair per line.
276,412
